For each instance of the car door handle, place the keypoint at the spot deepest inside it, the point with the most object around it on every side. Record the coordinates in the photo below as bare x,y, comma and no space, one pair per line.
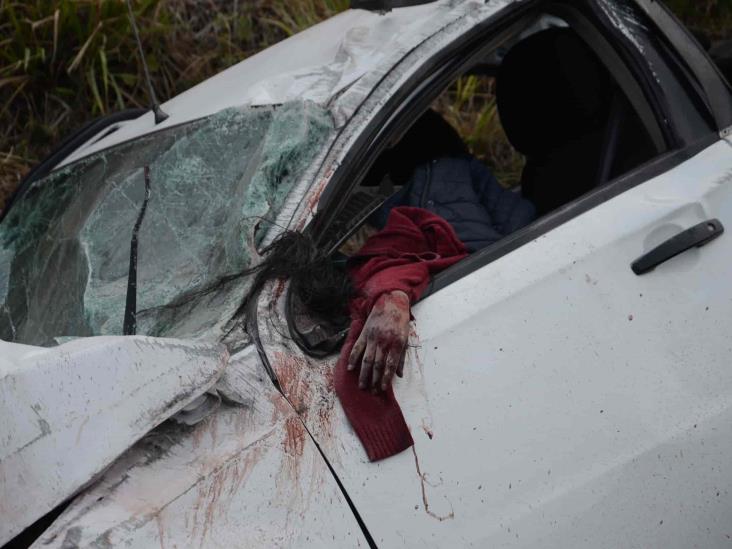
693,237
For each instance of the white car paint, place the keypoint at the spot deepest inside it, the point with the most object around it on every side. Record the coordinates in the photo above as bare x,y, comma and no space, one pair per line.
557,399
481,413
69,411
352,55
248,476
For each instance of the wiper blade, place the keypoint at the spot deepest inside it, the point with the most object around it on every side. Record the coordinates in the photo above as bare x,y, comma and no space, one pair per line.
129,326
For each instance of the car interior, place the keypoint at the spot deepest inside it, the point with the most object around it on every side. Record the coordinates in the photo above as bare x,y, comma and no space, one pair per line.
558,124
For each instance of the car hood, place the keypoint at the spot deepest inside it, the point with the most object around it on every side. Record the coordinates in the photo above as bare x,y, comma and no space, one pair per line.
69,411
247,471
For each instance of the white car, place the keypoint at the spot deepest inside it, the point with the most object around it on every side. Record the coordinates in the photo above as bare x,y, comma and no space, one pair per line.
568,386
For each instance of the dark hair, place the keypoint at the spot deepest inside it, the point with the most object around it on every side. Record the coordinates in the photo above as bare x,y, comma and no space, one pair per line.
320,284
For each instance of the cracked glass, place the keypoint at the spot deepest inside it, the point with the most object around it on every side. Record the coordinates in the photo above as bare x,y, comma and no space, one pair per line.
65,246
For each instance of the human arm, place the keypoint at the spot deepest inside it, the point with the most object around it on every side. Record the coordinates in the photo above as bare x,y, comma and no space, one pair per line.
389,273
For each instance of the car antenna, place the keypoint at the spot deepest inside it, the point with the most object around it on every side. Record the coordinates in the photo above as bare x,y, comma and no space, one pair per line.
160,115
129,325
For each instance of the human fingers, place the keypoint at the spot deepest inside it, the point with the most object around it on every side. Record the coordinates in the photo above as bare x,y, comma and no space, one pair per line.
357,351
364,377
402,359
378,369
392,363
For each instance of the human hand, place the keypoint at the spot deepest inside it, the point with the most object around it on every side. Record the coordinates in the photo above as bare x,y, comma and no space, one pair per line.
382,344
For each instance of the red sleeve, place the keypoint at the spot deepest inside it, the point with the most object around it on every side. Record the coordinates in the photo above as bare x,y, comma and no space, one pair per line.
413,245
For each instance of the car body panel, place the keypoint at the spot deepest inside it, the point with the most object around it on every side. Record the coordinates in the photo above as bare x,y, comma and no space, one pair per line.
317,65
69,411
556,398
367,46
248,475
558,435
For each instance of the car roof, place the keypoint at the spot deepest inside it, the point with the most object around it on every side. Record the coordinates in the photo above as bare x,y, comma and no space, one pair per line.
313,65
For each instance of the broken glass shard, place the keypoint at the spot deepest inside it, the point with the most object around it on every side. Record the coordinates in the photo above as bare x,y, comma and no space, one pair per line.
64,248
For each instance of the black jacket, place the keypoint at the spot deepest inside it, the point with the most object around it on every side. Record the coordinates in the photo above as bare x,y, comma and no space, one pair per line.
463,191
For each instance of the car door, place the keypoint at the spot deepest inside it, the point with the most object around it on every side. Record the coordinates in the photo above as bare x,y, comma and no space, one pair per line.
556,397
566,400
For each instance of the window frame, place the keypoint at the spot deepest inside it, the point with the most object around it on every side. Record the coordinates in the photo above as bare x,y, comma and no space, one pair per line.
417,93
658,71
653,168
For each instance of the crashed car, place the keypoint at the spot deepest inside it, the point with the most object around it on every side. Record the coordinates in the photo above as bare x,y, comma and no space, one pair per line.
567,386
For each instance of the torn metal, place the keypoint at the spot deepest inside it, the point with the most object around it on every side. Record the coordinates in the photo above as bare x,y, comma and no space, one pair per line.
69,411
248,472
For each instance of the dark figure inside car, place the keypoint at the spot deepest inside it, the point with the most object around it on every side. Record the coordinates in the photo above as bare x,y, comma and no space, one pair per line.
437,174
560,108
453,184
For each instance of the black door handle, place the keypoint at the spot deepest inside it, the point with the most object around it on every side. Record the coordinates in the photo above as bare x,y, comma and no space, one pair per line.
695,236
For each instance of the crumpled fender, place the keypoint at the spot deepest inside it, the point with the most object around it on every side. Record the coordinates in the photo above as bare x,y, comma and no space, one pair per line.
69,411
247,475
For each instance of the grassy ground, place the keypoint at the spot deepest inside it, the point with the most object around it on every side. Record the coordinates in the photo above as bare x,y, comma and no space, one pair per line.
63,62
469,105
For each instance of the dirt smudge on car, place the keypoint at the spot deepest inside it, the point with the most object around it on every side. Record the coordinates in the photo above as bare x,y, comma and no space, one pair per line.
315,194
294,442
278,290
293,439
413,358
308,386
72,538
161,530
214,491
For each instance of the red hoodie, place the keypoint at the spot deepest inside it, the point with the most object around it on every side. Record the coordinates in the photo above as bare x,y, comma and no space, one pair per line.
413,245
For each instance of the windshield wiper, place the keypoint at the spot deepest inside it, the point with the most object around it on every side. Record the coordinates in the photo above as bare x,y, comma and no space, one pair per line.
129,326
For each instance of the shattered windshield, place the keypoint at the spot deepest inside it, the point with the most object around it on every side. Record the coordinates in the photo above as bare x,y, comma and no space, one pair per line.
65,246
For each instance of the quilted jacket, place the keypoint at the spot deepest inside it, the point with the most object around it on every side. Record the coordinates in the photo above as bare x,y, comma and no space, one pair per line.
463,191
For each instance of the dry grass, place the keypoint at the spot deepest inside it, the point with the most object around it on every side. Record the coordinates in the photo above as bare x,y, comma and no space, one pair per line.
66,61
710,17
63,62
469,104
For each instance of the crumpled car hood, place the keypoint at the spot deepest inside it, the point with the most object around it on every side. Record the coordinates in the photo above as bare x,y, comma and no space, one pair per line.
69,411
247,475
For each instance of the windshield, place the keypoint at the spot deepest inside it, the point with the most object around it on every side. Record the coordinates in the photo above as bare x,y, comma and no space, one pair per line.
65,246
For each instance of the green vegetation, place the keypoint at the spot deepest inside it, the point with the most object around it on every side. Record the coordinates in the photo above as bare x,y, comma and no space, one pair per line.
63,62
712,18
469,104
